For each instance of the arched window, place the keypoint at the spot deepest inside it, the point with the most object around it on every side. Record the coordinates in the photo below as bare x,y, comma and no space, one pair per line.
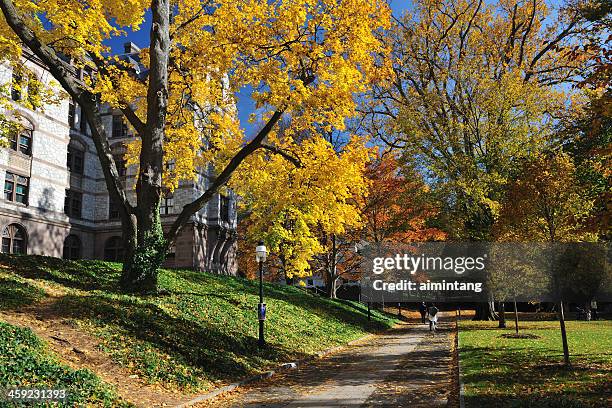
14,240
113,249
22,141
72,247
21,138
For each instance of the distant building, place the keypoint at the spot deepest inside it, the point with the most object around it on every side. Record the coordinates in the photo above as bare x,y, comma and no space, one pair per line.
55,199
314,282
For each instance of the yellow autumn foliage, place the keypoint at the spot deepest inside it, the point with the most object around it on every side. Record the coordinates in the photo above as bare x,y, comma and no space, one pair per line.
289,206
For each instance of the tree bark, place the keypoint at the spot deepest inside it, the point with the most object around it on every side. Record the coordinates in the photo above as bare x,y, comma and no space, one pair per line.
485,311
502,315
140,270
566,356
332,270
516,326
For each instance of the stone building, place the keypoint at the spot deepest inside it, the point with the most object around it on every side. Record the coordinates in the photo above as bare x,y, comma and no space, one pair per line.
55,200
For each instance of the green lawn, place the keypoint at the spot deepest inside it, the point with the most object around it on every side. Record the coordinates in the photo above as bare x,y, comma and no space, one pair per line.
203,333
25,362
506,372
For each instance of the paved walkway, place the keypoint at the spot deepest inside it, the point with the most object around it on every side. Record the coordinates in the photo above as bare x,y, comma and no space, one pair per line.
405,367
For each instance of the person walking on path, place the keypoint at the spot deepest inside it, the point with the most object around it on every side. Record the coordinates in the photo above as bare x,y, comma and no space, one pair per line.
423,311
432,316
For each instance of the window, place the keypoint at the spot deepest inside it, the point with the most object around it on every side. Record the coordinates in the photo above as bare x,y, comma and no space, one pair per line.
118,151
225,209
73,203
113,210
72,248
121,164
171,254
113,249
14,240
167,203
72,115
16,86
83,123
75,160
22,141
87,75
16,188
119,127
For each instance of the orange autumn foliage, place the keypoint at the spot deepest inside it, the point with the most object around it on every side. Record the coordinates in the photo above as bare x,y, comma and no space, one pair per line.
397,208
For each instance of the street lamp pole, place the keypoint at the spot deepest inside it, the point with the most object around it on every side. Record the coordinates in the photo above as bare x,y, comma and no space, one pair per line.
260,254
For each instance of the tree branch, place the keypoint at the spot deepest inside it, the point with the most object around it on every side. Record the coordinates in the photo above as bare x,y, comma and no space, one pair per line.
61,71
193,207
127,111
563,34
296,161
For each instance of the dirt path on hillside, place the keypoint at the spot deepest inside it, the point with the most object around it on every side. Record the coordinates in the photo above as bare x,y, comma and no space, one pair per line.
80,350
404,367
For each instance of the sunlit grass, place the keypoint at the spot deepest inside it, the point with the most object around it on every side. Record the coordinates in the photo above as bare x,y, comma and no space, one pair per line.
203,332
508,372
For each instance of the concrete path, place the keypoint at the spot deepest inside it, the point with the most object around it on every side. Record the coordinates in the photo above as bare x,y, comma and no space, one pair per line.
405,367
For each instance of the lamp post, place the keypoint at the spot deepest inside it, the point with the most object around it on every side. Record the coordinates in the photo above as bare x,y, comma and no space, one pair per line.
260,255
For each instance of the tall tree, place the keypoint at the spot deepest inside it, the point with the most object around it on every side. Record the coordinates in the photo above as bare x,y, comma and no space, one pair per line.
546,204
311,56
398,207
474,89
293,200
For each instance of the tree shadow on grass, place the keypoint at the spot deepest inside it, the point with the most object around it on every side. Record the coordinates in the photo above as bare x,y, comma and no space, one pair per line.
15,294
210,353
84,275
340,310
532,378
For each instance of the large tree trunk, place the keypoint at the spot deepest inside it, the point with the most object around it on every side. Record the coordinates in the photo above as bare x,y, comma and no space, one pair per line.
143,260
502,315
485,311
150,252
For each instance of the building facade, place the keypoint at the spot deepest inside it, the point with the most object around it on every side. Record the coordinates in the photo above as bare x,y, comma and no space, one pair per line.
55,200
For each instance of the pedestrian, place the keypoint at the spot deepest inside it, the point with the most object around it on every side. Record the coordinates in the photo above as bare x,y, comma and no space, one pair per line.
594,310
432,316
423,311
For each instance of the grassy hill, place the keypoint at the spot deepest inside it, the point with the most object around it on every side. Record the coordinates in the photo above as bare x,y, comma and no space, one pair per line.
26,362
201,334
